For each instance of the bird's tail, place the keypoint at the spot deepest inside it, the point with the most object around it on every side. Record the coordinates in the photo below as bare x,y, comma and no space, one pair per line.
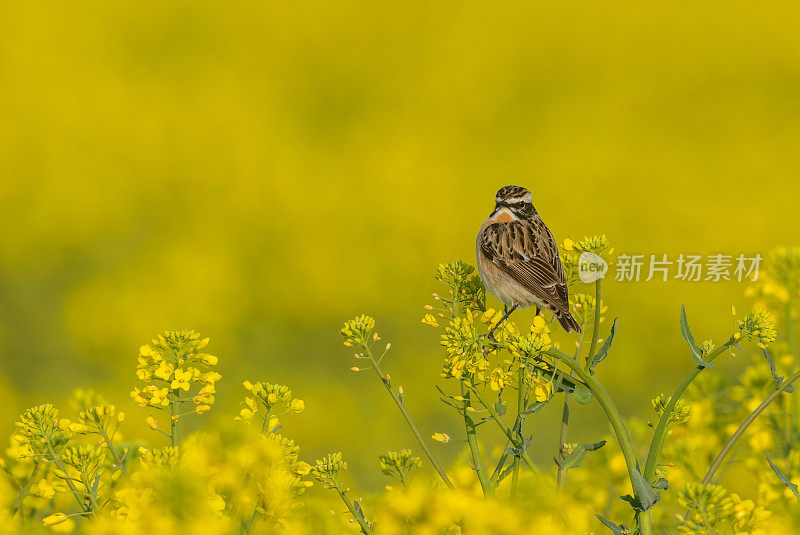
568,322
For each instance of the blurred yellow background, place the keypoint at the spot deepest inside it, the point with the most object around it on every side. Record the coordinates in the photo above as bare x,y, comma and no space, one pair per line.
262,172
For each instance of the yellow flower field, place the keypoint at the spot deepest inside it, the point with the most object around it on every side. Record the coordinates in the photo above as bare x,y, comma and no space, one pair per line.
200,201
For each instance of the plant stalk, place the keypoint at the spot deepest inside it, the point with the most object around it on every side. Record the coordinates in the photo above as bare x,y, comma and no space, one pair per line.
791,344
596,329
507,431
617,424
562,434
117,461
472,440
60,465
173,418
562,438
401,406
518,427
726,449
358,518
23,491
660,432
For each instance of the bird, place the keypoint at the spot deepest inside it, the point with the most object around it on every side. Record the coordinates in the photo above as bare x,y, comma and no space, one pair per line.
518,259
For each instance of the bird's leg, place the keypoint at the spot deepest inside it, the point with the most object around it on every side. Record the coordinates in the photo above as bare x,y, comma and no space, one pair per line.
505,316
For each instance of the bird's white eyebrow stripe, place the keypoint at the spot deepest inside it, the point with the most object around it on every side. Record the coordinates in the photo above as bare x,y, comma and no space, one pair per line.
527,198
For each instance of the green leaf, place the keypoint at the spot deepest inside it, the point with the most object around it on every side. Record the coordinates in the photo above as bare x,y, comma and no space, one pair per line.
645,496
558,379
505,473
561,382
518,452
357,507
536,406
603,353
582,394
697,354
783,478
778,378
500,408
620,529
574,459
661,484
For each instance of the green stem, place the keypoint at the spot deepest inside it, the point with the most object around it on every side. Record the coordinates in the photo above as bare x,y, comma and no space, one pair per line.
596,329
23,491
472,440
617,424
791,343
60,465
401,406
518,427
365,528
117,461
248,526
562,438
265,422
90,492
562,435
501,463
662,427
517,442
745,424
173,419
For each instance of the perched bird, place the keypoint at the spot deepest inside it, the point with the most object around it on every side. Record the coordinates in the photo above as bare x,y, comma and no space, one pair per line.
518,259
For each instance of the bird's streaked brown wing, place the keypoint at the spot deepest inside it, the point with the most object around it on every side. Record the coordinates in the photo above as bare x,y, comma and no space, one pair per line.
527,252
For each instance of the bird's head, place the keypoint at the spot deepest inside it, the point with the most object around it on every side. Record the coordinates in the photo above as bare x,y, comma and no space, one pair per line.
516,200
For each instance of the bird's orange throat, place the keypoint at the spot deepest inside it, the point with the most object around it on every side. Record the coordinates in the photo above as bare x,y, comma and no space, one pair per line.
503,216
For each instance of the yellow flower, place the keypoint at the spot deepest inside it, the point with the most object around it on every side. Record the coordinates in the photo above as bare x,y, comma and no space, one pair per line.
358,331
211,360
55,518
182,378
496,379
541,393
272,424
302,468
441,437
539,324
210,377
431,320
759,327
164,370
46,489
152,423
297,405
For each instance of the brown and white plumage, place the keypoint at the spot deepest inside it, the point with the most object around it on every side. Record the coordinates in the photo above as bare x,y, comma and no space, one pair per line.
518,258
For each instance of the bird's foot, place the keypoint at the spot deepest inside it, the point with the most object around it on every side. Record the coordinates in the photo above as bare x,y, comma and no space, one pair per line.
490,336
